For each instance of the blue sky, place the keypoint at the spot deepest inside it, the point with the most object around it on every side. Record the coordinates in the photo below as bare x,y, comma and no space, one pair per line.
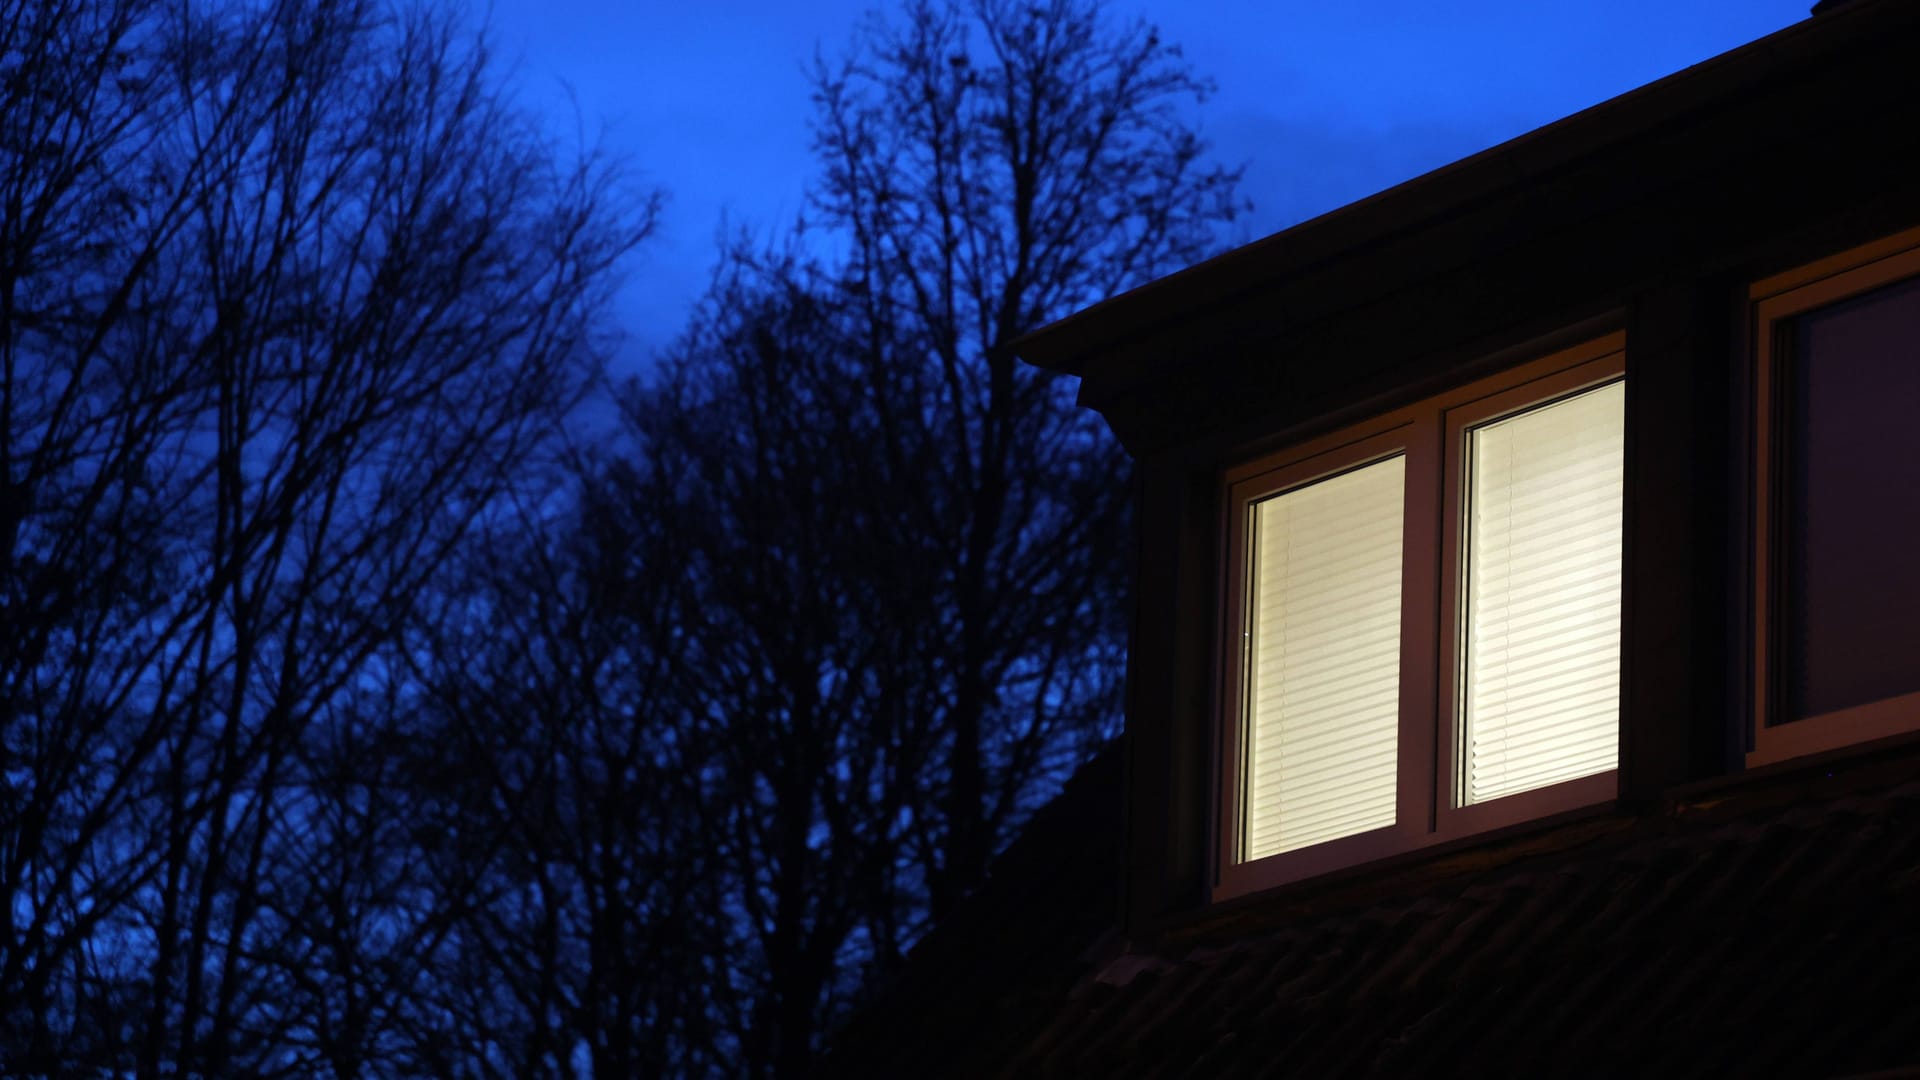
1323,103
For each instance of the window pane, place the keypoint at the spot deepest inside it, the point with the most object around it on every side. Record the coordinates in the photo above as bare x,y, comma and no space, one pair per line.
1853,576
1324,660
1540,698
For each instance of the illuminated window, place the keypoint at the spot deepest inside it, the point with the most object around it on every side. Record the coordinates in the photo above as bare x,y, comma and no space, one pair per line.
1425,613
1540,651
1323,690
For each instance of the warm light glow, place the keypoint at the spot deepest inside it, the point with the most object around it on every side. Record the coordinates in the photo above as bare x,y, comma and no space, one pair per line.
1323,652
1541,665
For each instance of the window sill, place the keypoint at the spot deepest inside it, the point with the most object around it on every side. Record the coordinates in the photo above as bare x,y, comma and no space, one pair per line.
1455,829
1445,863
1836,730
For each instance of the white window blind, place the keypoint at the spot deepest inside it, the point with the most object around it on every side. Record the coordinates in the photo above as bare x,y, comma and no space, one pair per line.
1323,660
1541,670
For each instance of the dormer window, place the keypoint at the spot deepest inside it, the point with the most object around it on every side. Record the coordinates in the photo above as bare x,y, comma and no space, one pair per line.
1539,588
1322,647
1424,623
1838,493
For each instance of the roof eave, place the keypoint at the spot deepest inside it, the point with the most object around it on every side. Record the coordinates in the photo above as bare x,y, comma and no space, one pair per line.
1072,344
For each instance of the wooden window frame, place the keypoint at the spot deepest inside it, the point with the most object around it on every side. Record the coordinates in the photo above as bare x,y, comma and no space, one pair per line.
1774,304
1431,435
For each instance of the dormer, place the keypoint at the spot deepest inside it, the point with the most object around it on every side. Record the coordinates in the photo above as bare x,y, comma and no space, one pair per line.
1534,489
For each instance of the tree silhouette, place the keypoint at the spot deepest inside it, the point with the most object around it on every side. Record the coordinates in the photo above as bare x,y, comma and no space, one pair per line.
998,164
353,724
290,300
900,553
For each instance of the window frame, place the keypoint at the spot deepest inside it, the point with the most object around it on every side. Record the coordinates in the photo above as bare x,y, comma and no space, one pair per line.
1774,304
1431,434
1455,819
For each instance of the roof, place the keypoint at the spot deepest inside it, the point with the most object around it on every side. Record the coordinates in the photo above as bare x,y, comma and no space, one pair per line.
1730,76
1797,140
990,976
1762,926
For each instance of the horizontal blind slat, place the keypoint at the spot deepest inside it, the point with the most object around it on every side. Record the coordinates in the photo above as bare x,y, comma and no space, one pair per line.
1540,674
1323,660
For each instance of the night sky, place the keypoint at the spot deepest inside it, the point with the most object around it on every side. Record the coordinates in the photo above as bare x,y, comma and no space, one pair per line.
1324,103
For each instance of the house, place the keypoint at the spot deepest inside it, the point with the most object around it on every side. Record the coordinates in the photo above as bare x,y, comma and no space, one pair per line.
1525,671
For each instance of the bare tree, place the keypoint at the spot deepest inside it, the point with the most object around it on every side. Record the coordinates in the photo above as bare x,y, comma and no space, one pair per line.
335,738
997,164
290,298
794,664
599,936
900,554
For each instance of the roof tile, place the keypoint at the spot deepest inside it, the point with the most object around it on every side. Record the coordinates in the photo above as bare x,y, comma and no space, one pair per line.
1782,940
